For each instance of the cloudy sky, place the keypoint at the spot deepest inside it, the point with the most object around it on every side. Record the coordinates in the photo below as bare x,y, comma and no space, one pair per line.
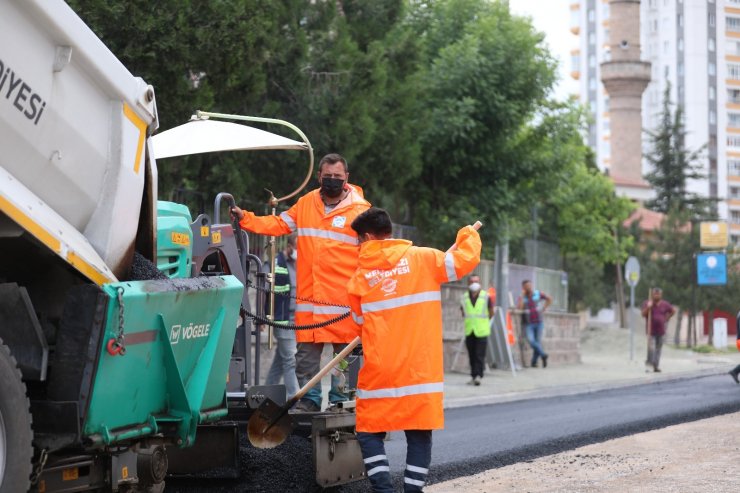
553,18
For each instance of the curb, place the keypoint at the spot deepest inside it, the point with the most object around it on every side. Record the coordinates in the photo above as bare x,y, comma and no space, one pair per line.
568,390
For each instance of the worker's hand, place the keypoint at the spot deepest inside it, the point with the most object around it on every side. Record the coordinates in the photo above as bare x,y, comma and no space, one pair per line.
649,304
237,213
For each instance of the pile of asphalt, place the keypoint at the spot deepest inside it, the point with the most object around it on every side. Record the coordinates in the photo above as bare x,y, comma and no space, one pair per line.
288,467
142,269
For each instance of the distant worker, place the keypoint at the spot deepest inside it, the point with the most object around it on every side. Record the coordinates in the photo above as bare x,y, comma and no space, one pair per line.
395,297
283,364
658,311
529,302
328,258
477,309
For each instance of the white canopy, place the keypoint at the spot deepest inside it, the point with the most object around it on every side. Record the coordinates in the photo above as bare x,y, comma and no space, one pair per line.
199,136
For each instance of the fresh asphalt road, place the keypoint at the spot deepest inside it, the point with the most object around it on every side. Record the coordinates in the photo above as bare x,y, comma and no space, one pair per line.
479,438
485,437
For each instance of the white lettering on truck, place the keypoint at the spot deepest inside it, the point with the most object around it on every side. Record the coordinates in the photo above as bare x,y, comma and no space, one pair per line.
191,331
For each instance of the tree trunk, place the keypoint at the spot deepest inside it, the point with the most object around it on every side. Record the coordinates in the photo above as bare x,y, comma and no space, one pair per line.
677,338
620,296
710,329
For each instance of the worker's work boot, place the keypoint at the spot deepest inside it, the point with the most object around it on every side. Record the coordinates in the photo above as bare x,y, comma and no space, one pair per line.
306,406
476,381
734,374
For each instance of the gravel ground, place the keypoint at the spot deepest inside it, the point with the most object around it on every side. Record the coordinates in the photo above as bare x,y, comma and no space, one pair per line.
700,456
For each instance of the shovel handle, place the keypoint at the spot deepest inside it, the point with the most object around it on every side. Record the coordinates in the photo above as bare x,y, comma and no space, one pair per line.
476,227
316,378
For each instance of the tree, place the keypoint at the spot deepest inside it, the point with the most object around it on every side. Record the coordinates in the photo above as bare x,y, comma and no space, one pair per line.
673,165
485,76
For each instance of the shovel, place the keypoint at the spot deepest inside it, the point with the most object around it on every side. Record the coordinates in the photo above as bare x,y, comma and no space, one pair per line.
270,425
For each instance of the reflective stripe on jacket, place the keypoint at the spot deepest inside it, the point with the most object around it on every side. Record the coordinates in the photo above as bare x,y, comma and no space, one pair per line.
327,258
476,316
395,296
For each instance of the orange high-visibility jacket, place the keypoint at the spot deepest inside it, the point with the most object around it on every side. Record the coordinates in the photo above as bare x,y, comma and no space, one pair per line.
327,258
395,297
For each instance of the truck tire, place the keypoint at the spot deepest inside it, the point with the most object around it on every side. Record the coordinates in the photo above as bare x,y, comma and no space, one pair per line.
16,434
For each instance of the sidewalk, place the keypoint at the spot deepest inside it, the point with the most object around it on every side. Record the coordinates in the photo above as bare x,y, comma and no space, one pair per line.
605,364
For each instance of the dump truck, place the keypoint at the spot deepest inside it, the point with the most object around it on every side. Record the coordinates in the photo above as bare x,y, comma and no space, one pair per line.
126,339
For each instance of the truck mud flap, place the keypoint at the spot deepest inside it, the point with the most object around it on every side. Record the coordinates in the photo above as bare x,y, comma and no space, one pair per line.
215,454
336,452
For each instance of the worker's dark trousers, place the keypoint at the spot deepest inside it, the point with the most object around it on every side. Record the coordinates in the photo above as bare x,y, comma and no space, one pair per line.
418,458
477,354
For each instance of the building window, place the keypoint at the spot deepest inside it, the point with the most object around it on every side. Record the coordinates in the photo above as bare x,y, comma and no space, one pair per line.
680,45
680,20
592,84
606,104
735,192
591,15
666,71
712,68
733,71
710,44
680,69
575,62
732,24
712,19
733,141
592,38
712,93
733,96
735,217
666,46
605,125
733,120
713,118
592,61
654,26
733,167
605,11
733,47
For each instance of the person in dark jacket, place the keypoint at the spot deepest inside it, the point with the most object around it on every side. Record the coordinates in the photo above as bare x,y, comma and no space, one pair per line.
284,362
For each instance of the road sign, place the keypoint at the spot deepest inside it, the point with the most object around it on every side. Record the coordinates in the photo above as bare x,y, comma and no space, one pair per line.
632,271
713,235
711,269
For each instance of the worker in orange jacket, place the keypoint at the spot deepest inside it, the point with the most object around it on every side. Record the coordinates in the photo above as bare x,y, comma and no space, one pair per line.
328,249
395,297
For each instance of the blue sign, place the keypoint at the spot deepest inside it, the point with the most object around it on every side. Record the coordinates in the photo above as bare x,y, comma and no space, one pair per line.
711,269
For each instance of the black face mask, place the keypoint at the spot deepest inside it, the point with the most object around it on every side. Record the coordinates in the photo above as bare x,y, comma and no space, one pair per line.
332,187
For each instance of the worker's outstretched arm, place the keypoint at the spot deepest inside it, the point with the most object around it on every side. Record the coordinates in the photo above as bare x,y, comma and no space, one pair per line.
267,225
456,264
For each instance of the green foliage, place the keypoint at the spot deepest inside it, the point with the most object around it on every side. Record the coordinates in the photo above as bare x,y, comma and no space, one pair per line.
674,165
442,107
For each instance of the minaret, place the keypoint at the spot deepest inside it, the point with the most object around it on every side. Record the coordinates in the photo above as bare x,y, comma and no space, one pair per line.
625,77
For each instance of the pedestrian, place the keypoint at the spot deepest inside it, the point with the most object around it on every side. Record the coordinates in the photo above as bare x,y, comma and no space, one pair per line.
658,311
328,258
530,301
283,364
395,297
477,310
735,372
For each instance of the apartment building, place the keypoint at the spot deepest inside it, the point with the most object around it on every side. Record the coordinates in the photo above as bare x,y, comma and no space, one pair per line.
695,46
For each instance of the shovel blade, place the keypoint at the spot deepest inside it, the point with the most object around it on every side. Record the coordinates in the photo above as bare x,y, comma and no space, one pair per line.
266,427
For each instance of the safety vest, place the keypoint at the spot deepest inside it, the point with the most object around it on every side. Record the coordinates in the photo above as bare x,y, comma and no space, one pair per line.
282,290
395,297
476,316
327,258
